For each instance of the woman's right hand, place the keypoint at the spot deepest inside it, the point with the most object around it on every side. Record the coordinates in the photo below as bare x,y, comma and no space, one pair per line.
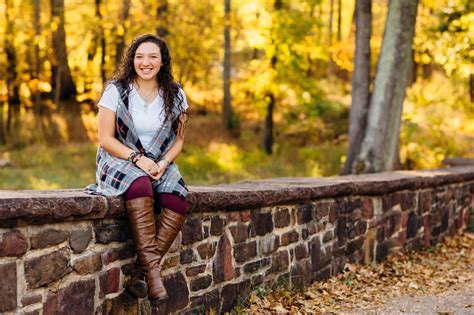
148,166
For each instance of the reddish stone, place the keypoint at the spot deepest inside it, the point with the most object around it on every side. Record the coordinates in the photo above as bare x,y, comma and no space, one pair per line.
233,216
88,264
392,223
367,208
187,256
192,271
178,293
239,232
288,238
192,230
107,232
206,250
245,216
304,214
280,261
222,268
261,223
200,283
404,219
301,251
75,299
48,237
109,282
13,244
31,299
114,254
8,287
48,268
217,226
322,209
427,230
282,218
245,251
332,215
425,201
402,237
233,292
255,265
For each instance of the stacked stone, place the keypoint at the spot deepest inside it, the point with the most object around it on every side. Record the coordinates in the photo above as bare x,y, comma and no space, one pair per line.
80,265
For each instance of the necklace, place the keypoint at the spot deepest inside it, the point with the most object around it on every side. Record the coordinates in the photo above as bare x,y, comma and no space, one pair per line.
147,98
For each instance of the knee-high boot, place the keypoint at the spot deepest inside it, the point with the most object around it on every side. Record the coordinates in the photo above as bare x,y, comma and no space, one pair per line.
142,222
168,226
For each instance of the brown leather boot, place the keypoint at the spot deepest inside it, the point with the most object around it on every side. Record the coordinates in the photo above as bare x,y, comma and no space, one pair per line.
168,226
142,222
137,286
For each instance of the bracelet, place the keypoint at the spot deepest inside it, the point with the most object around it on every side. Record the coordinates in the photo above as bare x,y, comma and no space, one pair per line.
132,156
166,160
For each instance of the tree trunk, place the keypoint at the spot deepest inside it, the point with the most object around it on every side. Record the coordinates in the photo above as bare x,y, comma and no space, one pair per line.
331,65
162,16
471,86
13,88
227,114
37,69
63,85
121,36
339,20
379,148
360,82
101,39
268,125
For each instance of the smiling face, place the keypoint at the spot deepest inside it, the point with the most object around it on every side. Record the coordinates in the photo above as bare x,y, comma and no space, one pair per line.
147,61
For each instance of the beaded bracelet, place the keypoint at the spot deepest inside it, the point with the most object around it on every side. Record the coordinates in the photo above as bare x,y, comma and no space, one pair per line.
132,156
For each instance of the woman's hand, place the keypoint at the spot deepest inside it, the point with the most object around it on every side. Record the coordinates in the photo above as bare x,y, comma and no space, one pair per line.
151,168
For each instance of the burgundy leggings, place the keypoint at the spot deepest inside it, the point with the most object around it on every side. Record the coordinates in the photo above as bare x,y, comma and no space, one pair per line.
141,187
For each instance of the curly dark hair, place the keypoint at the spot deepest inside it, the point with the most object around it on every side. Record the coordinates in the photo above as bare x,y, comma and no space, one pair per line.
125,74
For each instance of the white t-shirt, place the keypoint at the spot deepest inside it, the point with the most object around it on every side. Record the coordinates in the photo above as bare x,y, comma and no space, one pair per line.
146,120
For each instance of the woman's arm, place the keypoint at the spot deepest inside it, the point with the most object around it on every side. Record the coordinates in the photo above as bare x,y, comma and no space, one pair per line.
109,143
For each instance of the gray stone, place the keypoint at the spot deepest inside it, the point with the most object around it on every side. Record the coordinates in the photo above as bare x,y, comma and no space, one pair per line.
80,239
48,237
200,283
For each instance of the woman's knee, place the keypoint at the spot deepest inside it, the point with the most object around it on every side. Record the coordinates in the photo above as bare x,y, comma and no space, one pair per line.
141,187
174,203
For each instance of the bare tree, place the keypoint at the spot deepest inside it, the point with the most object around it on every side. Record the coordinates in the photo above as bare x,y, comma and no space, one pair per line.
229,120
268,125
360,82
37,67
379,149
62,83
121,37
162,17
13,87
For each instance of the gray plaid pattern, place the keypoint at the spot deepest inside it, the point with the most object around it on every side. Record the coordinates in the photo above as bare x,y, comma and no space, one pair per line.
114,175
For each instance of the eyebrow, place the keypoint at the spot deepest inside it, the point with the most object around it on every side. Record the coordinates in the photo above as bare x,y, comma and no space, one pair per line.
145,54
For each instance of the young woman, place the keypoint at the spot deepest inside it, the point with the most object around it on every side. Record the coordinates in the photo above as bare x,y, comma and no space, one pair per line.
142,116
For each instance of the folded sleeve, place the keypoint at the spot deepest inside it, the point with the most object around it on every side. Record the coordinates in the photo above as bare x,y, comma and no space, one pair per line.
109,98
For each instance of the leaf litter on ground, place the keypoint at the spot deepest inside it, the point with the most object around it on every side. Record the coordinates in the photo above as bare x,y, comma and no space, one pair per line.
363,287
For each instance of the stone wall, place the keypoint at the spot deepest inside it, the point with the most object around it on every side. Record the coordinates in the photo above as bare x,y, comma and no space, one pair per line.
64,252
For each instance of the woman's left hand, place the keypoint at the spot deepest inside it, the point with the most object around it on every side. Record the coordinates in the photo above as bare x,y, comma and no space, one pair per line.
162,165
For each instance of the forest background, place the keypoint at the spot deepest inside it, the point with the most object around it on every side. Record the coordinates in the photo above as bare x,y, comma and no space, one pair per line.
268,82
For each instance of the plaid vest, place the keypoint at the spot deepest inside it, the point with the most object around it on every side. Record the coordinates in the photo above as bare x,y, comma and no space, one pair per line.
114,175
